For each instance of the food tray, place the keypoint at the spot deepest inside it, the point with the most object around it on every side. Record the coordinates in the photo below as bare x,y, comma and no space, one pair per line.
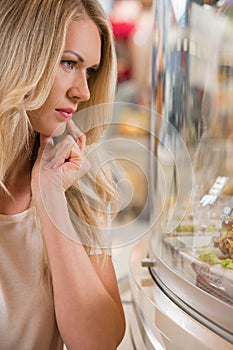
214,278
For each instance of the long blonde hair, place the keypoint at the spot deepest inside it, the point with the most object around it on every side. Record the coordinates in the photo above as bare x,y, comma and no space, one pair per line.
32,42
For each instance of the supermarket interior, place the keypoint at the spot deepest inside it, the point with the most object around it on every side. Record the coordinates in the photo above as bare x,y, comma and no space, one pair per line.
171,133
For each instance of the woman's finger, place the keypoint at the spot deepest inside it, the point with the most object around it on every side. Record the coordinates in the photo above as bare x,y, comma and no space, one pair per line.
63,152
77,134
65,164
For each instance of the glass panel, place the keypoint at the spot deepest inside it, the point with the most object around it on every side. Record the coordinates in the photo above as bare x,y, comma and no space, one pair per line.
192,165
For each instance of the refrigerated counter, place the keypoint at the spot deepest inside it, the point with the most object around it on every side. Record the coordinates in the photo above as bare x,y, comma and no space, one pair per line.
181,272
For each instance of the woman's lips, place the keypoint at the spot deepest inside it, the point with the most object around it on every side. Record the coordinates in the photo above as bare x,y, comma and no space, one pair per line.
65,113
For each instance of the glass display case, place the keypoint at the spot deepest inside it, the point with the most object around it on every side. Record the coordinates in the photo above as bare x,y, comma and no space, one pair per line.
181,273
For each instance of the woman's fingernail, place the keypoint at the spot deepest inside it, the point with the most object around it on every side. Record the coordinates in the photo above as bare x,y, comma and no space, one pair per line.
45,155
46,165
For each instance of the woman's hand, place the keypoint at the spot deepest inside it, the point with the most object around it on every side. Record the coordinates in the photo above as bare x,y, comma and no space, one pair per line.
59,166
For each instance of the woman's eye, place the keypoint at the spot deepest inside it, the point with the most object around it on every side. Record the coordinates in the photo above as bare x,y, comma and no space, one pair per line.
90,72
68,64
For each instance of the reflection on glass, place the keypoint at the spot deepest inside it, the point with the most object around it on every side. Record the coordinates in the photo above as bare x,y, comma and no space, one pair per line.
193,182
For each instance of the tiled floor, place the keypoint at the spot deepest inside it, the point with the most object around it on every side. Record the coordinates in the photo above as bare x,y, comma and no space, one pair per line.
121,258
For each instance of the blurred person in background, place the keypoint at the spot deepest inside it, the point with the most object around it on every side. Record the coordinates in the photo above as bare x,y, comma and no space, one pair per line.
123,19
141,42
132,23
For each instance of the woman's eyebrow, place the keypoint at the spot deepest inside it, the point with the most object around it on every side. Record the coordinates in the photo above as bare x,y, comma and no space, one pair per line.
81,59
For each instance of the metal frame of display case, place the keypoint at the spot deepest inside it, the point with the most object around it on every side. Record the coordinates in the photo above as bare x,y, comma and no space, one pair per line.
162,321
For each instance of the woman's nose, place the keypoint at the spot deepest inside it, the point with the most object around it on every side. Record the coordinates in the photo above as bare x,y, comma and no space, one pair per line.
79,89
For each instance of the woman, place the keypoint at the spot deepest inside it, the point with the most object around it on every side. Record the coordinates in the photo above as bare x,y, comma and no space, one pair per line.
57,58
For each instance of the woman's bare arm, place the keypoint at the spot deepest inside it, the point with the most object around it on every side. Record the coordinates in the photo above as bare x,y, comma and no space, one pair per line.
87,303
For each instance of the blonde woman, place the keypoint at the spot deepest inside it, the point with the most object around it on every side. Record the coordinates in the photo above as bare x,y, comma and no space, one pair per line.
57,281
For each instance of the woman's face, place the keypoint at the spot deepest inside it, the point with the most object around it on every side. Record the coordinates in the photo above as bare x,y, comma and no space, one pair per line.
81,58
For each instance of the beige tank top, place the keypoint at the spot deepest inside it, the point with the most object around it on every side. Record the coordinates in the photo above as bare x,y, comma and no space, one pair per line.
27,319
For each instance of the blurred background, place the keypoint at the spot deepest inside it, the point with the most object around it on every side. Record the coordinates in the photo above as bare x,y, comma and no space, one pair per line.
172,134
132,24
